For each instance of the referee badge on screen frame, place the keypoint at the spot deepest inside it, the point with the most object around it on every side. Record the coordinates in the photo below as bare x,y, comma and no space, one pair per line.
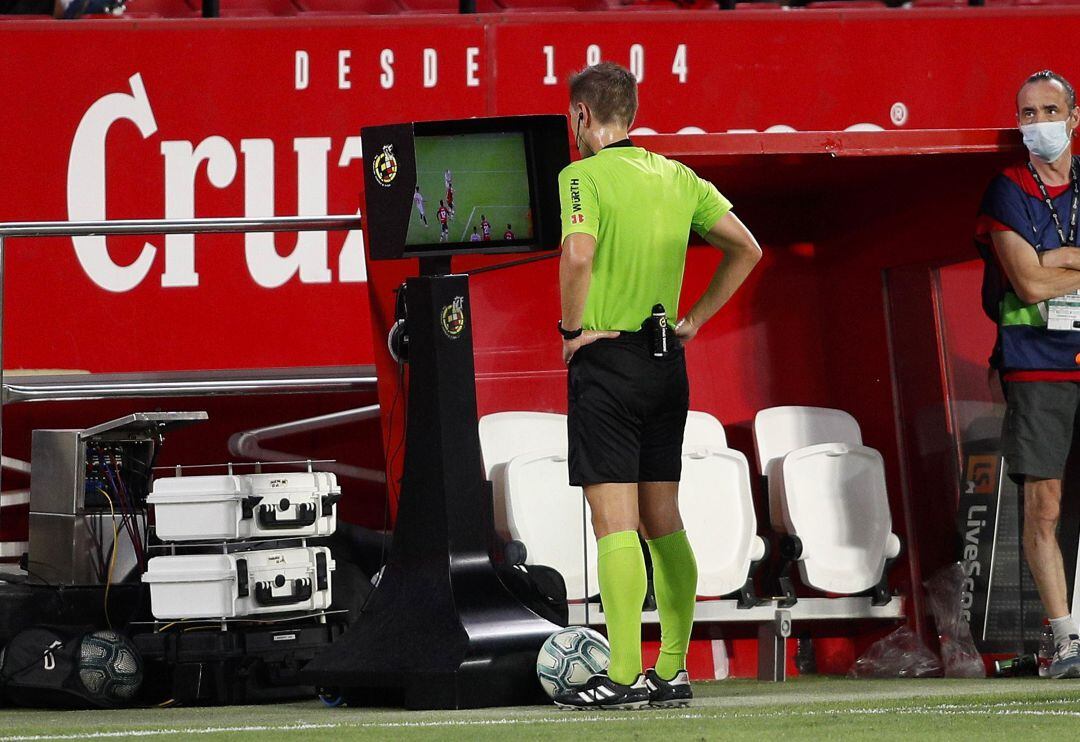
453,318
385,166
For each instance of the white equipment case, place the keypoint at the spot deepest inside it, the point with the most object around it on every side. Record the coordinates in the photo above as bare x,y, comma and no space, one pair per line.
245,583
231,507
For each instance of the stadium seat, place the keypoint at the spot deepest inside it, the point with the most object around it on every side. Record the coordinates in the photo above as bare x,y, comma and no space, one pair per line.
446,6
989,3
162,9
548,6
845,5
761,5
349,7
504,435
256,8
717,508
659,5
525,458
827,495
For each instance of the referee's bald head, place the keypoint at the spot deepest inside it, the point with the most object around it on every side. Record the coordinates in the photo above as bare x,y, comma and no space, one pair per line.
609,90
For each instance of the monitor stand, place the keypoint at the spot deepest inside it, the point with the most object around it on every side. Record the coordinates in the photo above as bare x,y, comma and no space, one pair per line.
440,631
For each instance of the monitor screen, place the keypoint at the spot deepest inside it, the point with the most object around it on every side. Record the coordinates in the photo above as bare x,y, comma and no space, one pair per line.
471,188
482,185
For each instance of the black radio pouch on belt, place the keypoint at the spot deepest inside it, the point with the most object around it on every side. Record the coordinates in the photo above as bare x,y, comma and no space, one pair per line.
657,328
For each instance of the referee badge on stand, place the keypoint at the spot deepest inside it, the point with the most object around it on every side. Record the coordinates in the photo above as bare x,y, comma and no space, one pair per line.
453,317
385,166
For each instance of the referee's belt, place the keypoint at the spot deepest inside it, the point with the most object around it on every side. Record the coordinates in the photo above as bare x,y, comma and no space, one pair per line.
644,338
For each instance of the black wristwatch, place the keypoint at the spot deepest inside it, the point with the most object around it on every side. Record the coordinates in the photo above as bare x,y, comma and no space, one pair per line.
569,334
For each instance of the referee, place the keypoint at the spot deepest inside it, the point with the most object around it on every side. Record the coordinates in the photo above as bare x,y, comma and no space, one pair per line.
626,217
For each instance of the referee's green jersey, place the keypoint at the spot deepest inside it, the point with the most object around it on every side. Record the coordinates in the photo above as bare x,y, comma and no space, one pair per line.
640,207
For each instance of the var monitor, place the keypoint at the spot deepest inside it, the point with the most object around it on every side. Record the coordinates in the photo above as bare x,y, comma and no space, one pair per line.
484,185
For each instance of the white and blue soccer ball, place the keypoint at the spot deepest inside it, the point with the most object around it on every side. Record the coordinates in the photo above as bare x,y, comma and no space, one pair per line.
110,668
570,657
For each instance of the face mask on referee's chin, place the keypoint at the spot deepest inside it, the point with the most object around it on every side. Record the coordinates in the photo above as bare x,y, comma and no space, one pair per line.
1047,140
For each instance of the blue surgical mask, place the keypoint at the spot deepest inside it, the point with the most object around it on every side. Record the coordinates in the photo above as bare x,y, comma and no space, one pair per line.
1047,140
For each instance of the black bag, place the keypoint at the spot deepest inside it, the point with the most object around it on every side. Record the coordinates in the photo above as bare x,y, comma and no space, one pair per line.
39,667
541,589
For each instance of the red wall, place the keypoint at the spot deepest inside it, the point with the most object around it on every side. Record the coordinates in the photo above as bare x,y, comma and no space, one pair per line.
808,328
235,81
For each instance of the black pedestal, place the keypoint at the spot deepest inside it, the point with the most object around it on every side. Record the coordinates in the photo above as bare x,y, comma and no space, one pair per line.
440,631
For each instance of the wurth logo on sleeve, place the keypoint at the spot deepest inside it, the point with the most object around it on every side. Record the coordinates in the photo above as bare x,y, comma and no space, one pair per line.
577,218
575,196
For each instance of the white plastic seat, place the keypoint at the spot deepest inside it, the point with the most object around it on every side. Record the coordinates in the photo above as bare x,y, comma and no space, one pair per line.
717,507
552,519
827,489
525,458
504,435
780,430
702,429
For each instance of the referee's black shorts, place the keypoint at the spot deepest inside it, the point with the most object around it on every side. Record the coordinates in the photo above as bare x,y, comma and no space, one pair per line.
626,412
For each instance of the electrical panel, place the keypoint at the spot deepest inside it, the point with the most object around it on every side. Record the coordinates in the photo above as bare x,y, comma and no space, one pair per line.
88,491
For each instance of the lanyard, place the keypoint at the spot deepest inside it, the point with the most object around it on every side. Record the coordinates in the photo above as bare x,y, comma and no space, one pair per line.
1053,211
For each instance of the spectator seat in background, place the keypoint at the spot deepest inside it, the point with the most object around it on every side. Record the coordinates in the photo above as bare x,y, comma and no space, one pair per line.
162,9
349,7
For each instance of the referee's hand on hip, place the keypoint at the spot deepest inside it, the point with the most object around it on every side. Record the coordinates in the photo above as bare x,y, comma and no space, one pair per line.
570,347
686,329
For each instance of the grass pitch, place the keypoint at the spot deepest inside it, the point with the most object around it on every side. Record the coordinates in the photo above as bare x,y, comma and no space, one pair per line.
490,179
802,709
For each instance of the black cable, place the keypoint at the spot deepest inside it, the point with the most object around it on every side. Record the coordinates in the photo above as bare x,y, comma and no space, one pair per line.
32,573
116,493
127,511
398,394
130,514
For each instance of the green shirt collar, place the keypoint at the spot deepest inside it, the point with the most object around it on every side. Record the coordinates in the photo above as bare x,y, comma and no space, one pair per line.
621,143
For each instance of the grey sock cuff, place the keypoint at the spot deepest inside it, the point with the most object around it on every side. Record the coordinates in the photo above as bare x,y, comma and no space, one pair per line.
1063,628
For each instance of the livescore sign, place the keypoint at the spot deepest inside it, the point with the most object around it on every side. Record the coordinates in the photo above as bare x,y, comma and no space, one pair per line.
181,118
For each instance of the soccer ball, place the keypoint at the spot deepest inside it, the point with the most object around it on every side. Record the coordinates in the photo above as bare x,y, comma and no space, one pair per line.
570,657
109,667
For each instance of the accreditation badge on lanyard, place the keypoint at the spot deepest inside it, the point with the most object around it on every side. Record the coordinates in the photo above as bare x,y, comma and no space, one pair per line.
1062,312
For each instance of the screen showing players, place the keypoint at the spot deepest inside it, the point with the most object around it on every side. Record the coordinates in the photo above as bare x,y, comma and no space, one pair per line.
470,188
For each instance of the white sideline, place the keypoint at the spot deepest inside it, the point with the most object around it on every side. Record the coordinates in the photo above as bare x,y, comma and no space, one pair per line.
465,232
167,732
1004,708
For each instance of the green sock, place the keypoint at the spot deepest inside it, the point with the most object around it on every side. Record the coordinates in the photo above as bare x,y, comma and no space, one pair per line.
621,570
675,584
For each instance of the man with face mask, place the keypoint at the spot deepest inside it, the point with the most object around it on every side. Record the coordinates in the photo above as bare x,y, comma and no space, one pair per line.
1027,234
626,215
